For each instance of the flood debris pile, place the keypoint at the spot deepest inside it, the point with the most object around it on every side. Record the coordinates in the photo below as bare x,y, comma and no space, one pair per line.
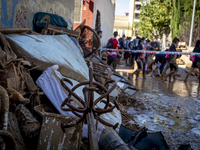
42,106
57,94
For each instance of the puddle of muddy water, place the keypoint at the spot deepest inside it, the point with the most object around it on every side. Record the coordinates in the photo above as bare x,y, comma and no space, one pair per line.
172,108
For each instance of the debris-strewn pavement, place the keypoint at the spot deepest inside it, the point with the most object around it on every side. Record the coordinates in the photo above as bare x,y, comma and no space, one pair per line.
173,108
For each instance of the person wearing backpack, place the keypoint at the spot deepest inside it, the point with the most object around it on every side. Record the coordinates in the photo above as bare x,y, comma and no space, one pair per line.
195,60
172,59
112,55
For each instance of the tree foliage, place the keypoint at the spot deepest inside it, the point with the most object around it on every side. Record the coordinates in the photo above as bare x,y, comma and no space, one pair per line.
181,20
155,19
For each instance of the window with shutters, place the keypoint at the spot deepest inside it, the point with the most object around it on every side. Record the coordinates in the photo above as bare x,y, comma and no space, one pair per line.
78,10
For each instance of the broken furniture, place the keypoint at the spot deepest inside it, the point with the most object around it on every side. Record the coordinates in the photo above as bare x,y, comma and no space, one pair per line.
55,30
101,70
128,88
89,40
88,111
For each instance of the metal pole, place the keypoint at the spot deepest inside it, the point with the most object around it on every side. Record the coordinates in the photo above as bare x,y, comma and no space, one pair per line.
192,24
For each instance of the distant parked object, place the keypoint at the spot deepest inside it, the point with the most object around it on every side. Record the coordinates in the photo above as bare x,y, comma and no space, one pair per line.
182,46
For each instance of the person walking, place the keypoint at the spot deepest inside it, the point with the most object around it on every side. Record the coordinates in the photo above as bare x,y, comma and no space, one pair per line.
172,59
127,54
139,59
196,60
134,46
112,55
122,45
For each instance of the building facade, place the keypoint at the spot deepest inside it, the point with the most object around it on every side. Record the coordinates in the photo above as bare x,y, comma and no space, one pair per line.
124,24
19,13
99,15
103,18
84,9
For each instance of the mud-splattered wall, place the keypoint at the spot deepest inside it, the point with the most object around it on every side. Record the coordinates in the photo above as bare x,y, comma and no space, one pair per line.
19,13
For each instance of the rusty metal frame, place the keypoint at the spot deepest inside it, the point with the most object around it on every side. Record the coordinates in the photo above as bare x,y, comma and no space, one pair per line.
88,109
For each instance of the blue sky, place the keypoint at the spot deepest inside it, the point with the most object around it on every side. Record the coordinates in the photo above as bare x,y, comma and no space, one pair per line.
122,6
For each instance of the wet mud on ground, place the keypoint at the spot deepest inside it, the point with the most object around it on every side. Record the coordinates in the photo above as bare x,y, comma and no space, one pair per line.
173,108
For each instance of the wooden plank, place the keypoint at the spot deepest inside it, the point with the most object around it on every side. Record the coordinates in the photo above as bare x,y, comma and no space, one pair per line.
45,30
92,133
14,30
63,30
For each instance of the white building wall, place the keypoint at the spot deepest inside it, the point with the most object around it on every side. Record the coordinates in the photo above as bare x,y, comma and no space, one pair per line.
107,11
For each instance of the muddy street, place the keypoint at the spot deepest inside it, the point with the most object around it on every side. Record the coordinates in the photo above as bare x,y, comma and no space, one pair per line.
173,108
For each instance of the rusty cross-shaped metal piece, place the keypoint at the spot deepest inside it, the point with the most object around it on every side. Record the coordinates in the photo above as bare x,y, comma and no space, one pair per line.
89,110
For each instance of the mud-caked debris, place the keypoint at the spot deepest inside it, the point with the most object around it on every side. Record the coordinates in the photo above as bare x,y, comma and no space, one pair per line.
13,128
16,96
27,123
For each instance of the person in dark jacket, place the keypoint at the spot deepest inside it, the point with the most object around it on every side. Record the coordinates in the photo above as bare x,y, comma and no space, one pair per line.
134,46
172,59
127,54
139,57
196,63
122,45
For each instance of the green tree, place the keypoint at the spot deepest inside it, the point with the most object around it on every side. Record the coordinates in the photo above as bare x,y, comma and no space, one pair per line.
181,20
182,15
155,19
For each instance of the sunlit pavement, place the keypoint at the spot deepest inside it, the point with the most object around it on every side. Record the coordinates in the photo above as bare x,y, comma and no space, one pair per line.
173,108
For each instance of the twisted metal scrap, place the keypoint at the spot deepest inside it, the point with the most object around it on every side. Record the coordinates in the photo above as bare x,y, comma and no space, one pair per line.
88,103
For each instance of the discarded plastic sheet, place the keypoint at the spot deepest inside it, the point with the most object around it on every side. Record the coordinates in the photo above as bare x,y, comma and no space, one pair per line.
152,141
52,136
46,50
49,82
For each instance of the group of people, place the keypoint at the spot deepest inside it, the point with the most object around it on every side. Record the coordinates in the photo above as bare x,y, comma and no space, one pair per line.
126,44
161,63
